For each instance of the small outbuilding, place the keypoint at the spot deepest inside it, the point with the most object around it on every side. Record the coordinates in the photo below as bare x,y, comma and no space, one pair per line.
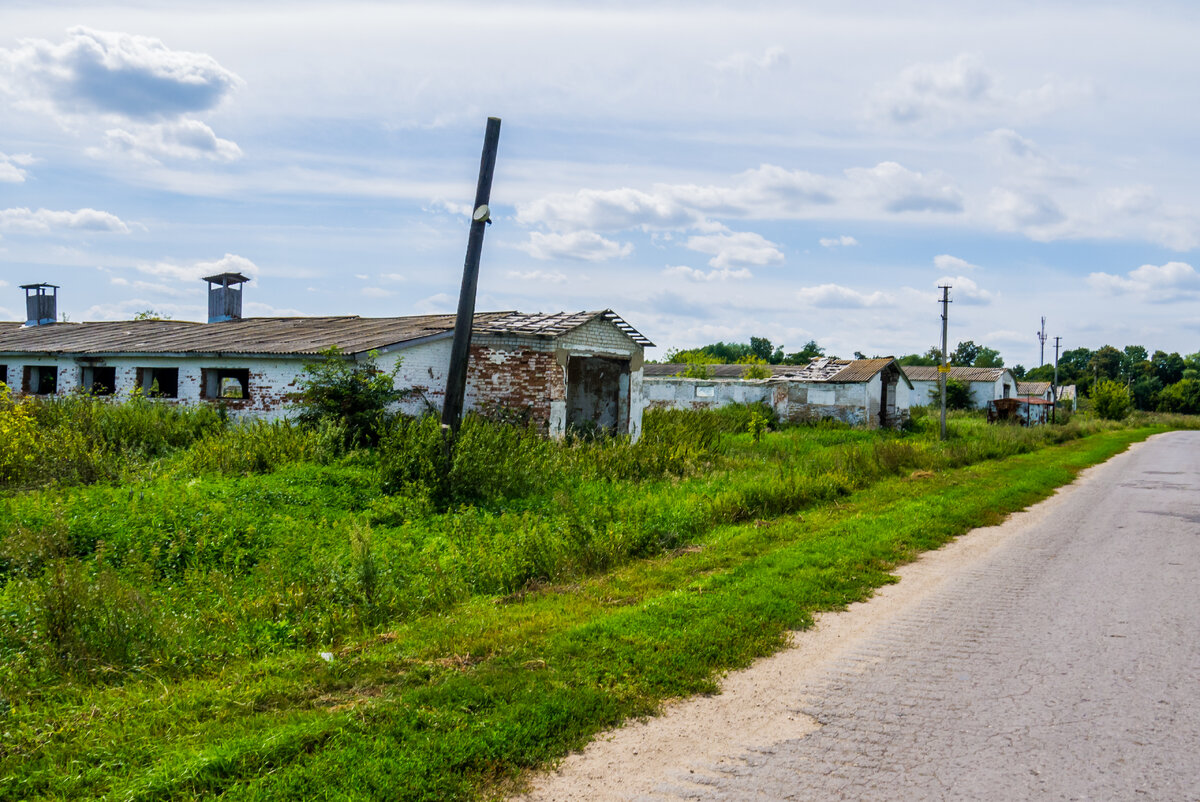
861,392
566,370
985,384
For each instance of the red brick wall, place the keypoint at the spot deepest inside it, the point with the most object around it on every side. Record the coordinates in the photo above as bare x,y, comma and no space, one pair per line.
515,379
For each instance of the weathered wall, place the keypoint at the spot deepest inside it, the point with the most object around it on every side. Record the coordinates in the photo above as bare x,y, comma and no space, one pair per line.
925,393
855,403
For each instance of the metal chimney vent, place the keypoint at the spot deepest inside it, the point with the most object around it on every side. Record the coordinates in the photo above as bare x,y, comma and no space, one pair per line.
225,296
40,309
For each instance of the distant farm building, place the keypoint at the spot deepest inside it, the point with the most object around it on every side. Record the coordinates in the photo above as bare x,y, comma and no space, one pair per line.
580,369
862,392
985,384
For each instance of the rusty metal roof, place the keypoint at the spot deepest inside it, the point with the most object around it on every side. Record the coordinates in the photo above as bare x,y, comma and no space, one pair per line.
839,371
278,336
928,373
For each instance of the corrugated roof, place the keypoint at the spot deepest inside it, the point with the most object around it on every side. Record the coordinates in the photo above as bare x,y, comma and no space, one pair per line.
929,373
841,371
282,336
1033,388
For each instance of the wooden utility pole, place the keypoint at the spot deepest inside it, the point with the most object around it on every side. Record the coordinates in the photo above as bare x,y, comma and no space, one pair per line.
456,379
1054,387
944,368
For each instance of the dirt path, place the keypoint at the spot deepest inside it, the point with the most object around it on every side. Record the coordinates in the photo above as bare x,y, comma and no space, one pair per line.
759,707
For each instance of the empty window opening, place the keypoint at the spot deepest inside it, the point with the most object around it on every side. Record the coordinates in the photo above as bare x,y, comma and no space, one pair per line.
225,383
99,379
40,379
598,394
3,374
159,382
1007,390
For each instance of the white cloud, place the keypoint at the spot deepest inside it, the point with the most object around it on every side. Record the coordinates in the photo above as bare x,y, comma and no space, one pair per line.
1029,212
175,291
721,274
44,221
121,74
608,210
125,310
546,276
1174,281
899,189
947,262
835,296
963,89
11,171
229,263
184,139
377,292
396,277
736,249
1017,153
833,242
586,246
965,291
773,59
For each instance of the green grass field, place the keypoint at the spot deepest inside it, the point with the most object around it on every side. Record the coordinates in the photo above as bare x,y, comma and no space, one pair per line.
254,613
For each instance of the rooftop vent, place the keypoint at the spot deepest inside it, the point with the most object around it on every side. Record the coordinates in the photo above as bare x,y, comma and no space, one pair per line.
225,296
40,308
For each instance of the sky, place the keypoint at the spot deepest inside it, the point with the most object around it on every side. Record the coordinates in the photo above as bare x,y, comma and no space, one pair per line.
710,171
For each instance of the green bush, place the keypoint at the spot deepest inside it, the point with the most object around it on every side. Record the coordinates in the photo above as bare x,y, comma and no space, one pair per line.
1110,400
1182,397
355,394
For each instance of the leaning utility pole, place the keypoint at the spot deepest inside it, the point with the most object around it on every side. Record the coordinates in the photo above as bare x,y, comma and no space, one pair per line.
1054,387
456,379
1042,337
944,368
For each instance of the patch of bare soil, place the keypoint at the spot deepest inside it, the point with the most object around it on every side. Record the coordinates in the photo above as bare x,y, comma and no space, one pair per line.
756,707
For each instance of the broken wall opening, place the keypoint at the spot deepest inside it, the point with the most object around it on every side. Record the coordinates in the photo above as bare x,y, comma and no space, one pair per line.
98,379
40,380
598,394
159,382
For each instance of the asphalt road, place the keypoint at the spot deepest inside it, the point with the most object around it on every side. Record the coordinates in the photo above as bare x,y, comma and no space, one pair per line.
1065,665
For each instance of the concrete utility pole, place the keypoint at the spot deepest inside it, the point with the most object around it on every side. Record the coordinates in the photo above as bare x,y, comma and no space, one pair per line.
944,368
456,379
1042,337
1054,387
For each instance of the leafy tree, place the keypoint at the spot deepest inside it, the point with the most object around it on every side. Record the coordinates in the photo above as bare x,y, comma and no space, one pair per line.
807,354
958,394
964,355
1106,363
150,314
859,355
928,359
1018,370
988,358
1132,358
1183,396
761,347
1073,365
1042,373
355,394
1168,367
1110,399
1144,391
697,355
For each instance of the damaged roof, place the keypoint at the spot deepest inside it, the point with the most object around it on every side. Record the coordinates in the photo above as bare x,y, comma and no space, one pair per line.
281,336
929,373
835,371
1033,388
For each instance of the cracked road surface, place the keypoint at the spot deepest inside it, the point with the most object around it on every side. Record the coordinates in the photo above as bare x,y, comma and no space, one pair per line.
1056,656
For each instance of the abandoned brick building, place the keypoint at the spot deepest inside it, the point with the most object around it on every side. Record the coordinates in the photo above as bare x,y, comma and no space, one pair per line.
580,369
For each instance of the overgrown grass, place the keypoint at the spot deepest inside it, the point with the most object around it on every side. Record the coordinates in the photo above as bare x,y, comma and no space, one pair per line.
468,615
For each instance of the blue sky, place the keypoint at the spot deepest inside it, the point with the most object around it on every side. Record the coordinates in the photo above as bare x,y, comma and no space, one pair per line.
794,171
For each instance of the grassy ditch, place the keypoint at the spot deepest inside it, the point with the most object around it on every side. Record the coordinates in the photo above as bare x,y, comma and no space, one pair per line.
467,676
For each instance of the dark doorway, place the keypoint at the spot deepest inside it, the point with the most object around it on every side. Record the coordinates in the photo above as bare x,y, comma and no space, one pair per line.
598,395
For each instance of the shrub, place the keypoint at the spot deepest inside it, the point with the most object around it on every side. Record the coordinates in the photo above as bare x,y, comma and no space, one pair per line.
1110,400
355,394
756,368
1182,397
17,439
